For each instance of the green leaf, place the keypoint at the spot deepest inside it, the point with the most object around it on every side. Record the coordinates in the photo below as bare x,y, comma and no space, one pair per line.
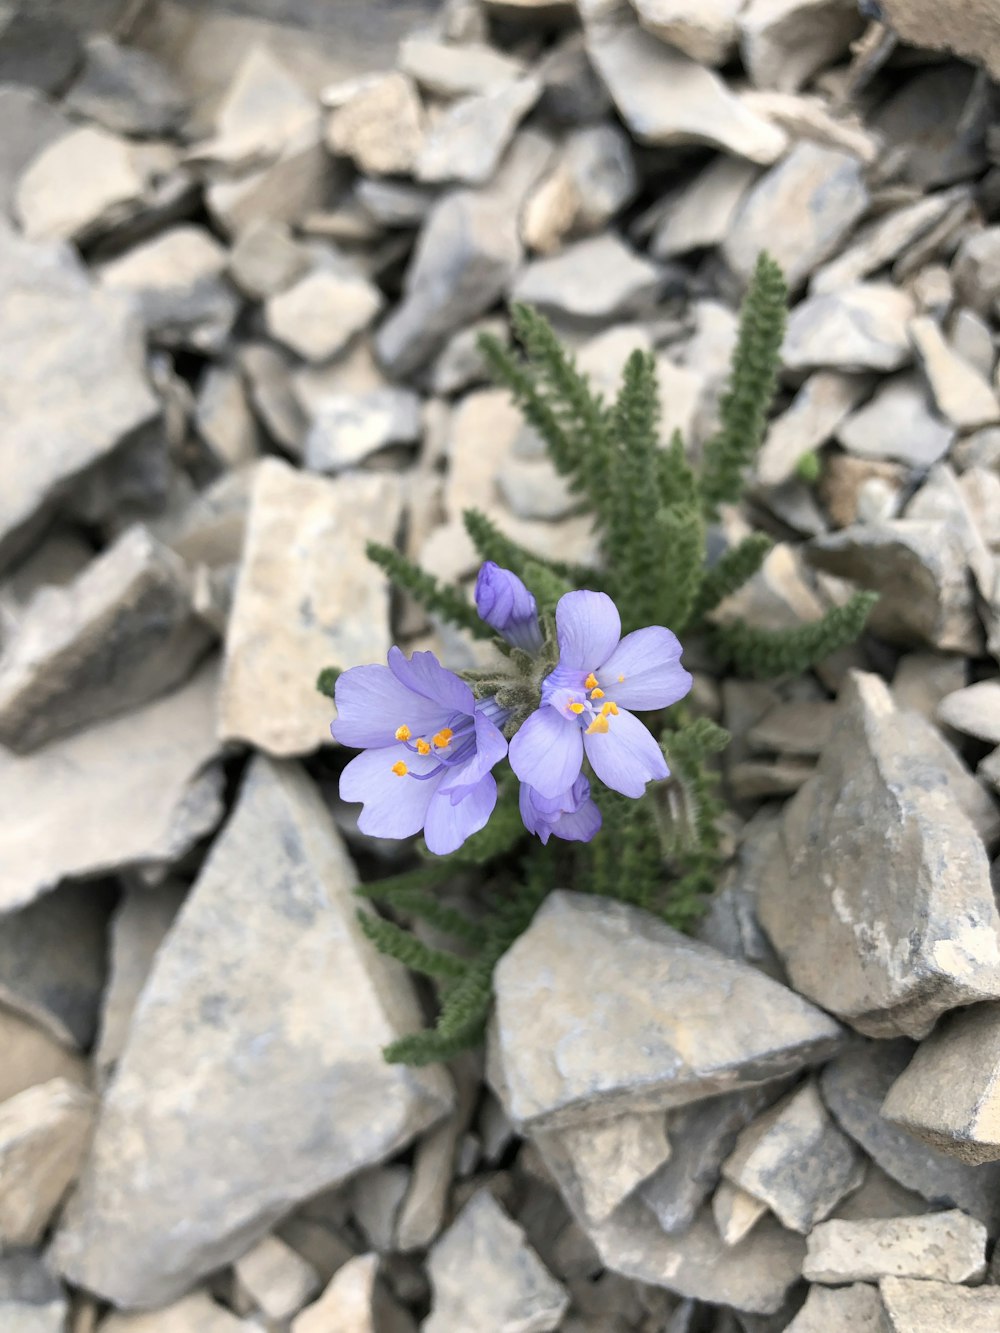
326,681
447,602
765,654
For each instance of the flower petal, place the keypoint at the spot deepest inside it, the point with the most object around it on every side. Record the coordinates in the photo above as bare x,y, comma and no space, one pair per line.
626,756
491,746
547,752
588,627
424,674
448,825
372,703
649,660
579,825
395,807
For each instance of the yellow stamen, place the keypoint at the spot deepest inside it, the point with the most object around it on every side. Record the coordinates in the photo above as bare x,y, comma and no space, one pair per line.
620,679
576,708
591,682
403,733
442,738
399,768
610,709
599,724
422,746
597,694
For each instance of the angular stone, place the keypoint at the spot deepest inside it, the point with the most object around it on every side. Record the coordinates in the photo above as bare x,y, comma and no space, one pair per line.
966,27
355,1302
292,185
796,1160
878,857
948,1096
593,179
280,1103
691,1057
30,123
880,1196
794,728
735,1211
70,355
379,125
347,428
854,1309
120,634
944,1247
803,208
818,408
536,490
449,70
974,710
666,98
223,418
929,1307
44,1134
294,613
126,90
706,34
32,1056
486,1275
700,214
80,185
320,313
922,680
263,109
465,143
375,1198
609,1159
178,285
31,1300
269,384
854,1086
961,393
976,270
274,1280
897,424
265,259
196,1313
594,280
150,776
863,327
784,42
466,254
881,242
38,49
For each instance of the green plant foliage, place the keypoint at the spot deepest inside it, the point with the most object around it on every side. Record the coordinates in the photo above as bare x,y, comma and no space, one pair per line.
650,504
326,681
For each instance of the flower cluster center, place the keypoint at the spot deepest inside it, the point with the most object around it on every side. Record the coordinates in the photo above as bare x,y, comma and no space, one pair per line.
458,740
579,697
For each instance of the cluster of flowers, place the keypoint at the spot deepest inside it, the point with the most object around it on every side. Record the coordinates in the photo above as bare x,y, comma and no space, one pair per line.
429,746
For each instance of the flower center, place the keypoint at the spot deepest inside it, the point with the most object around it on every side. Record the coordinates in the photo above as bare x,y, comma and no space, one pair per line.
453,745
578,696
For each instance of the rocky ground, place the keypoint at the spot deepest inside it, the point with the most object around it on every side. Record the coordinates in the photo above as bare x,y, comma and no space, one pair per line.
239,294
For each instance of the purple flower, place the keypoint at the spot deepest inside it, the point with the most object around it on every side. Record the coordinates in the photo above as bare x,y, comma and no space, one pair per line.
585,701
572,816
507,606
428,748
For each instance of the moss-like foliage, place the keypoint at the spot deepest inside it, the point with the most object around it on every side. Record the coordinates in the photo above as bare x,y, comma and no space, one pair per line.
651,505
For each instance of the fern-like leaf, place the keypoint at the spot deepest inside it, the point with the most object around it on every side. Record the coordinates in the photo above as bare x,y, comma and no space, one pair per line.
326,681
400,944
447,602
765,654
730,572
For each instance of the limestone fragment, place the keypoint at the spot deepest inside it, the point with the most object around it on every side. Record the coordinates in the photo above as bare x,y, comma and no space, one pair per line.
279,1102
783,42
44,1133
593,280
82,184
196,1313
966,27
355,1302
449,70
223,418
701,214
864,327
486,1275
126,90
379,124
465,143
319,314
33,1056
897,424
263,109
31,1299
879,243
819,407
974,710
854,1309
593,179
962,395
609,1159
265,259
273,1279
735,1211
30,123
927,1307
706,34
347,427
943,1247
976,270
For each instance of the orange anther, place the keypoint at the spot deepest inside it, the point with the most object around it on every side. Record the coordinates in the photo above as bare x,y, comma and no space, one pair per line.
403,733
400,769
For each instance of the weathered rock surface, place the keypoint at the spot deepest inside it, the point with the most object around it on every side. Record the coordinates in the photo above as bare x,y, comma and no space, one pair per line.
44,1133
609,1159
319,314
706,34
594,177
355,1302
969,28
72,382
925,1307
275,1104
30,123
864,327
274,1280
379,124
466,142
347,427
80,185
962,395
944,1247
294,611
486,1275
783,42
448,70
593,280
196,1313
974,710
137,791
646,1064
815,413
735,1211
854,1309
33,1056
897,424
701,213
126,90
120,634
894,920
31,1299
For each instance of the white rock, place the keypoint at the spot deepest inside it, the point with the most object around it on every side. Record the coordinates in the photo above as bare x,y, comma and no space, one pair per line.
783,42
354,1302
451,70
854,1309
294,612
380,125
701,213
44,1133
275,1280
897,424
706,34
467,140
266,260
928,1307
83,183
608,1159
223,418
735,1211
296,182
263,109
864,327
278,1102
944,1247
322,312
376,1197
962,395
593,179
31,1300
31,122
347,428
32,1056
196,1313
596,279
818,408
974,710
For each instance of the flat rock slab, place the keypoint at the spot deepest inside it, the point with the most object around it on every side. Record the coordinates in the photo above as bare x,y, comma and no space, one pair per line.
467,140
592,280
137,791
486,1275
44,1133
930,1307
196,1313
356,1302
974,710
864,327
72,382
32,1056
267,993
636,1017
877,893
608,1159
897,424
945,1247
854,1309
305,599
783,42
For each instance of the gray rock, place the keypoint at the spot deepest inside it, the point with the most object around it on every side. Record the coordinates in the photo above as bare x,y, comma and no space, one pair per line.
375,1198
594,280
121,633
465,143
209,529
39,50
944,1247
854,1309
897,424
922,680
666,98
601,1164
946,1096
272,1279
280,1103
592,180
33,1056
126,90
927,1307
796,728
80,185
347,428
976,270
962,394
31,1300
44,1134
466,255
815,413
178,284
269,384
707,34
854,1086
921,571
150,775
936,123
450,70
196,1313
460,364
264,109
880,1196
863,327
486,1275
802,209
355,1301
319,314
736,1213
379,124
974,710
394,203
574,95
291,186
880,860
656,968
536,490
701,213
293,613
971,338
784,42
30,123
796,1160
223,419
71,356
265,259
